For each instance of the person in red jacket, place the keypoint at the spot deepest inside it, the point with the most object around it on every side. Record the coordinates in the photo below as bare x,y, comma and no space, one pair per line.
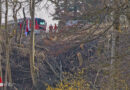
50,28
55,28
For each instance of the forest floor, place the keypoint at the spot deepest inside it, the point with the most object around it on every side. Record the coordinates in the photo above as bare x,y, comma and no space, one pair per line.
63,50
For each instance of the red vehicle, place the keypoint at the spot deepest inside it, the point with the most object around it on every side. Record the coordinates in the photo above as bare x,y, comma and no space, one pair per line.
40,25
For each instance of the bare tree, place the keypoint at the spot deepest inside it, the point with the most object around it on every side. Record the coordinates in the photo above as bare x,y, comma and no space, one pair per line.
0,13
0,39
8,69
23,26
15,11
32,43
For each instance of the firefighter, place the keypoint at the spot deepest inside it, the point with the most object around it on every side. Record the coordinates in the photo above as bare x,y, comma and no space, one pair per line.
55,28
50,28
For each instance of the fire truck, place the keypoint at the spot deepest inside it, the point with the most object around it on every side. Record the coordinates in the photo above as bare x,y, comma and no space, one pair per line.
25,24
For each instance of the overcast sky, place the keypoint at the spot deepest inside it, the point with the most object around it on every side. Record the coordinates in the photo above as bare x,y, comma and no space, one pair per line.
40,12
46,13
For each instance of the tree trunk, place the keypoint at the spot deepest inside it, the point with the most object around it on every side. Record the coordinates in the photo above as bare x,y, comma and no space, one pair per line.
0,40
0,62
8,69
114,47
16,26
112,58
32,44
0,13
75,9
23,26
15,11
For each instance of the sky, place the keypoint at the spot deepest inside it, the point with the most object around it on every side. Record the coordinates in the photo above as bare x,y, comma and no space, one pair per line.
43,10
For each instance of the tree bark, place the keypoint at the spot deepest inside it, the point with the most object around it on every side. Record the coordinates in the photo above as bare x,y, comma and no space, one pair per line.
0,40
8,69
112,58
75,9
0,62
23,26
114,47
16,28
32,44
0,13
15,11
